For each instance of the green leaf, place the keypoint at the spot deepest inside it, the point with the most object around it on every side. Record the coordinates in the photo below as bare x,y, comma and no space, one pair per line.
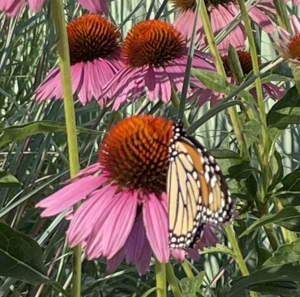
280,273
277,170
8,181
20,257
284,216
217,83
242,181
276,288
219,248
262,254
286,111
288,194
287,253
251,130
19,133
191,286
224,154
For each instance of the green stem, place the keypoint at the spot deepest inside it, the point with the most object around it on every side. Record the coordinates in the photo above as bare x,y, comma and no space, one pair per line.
187,269
287,235
282,15
171,278
161,284
220,70
64,63
260,98
176,104
237,254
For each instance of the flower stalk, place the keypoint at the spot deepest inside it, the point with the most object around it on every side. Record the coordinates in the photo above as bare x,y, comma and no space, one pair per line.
237,254
261,110
171,278
64,63
220,70
161,283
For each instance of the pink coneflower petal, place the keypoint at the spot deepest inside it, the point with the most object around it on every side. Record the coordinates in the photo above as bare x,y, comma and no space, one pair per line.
220,17
273,91
178,254
94,56
118,223
90,170
137,249
135,242
208,238
261,19
295,23
35,5
92,211
157,84
155,220
11,7
154,62
95,6
69,195
114,262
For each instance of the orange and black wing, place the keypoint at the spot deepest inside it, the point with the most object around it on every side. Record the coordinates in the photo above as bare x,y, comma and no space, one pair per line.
196,189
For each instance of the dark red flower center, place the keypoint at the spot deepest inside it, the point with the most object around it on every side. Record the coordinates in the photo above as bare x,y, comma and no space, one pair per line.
184,5
245,61
91,37
152,42
294,46
134,153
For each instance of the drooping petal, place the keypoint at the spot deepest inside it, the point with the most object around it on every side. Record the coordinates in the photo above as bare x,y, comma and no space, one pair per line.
219,18
178,254
50,87
142,263
112,230
135,242
35,5
273,91
95,6
88,214
69,195
114,262
90,170
11,7
156,224
208,238
119,223
295,23
261,19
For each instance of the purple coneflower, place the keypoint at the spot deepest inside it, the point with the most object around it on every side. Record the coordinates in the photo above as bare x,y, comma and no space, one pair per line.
124,213
270,89
155,60
12,7
288,45
221,13
94,56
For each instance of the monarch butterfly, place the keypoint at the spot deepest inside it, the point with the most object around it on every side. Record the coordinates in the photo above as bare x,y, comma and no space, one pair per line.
196,189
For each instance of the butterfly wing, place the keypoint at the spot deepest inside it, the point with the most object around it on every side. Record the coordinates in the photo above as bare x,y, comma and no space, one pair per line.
196,189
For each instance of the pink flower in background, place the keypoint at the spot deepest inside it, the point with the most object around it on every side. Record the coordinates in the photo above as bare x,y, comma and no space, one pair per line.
12,7
296,2
124,212
94,56
221,13
155,60
271,90
289,45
